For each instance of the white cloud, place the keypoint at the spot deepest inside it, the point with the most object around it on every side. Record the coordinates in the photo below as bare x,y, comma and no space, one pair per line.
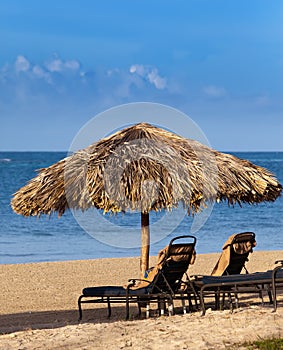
214,91
73,65
58,65
22,64
150,74
55,65
154,78
139,69
41,73
112,72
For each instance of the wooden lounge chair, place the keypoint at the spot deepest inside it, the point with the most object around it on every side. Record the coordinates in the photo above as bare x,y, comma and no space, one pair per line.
242,283
161,286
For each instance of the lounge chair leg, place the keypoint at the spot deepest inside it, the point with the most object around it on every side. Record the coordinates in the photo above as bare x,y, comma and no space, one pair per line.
230,302
170,309
109,308
201,297
221,306
274,299
261,297
217,298
139,308
274,287
127,305
80,308
196,297
236,301
161,307
184,305
190,303
270,297
147,310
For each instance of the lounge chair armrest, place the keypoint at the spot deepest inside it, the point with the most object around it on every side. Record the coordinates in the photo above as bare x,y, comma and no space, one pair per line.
195,277
279,262
138,279
132,281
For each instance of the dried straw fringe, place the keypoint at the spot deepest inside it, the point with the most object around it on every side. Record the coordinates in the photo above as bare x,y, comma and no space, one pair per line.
145,168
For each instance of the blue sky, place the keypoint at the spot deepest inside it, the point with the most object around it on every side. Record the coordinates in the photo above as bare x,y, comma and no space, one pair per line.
218,61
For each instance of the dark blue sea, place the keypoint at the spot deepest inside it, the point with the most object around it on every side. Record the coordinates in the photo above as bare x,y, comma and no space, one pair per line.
95,235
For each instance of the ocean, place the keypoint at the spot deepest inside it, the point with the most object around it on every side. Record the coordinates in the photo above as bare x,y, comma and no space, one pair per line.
32,239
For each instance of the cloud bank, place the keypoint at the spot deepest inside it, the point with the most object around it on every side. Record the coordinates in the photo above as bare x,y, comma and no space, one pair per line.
58,95
23,80
61,81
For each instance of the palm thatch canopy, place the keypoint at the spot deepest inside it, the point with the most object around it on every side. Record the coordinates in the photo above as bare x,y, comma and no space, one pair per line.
144,168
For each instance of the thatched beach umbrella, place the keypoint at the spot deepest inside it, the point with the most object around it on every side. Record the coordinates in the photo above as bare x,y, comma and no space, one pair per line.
144,168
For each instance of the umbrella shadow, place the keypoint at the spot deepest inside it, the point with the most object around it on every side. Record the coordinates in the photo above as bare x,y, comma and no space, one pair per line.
11,323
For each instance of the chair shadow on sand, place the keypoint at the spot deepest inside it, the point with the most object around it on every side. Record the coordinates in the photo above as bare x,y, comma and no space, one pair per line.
55,319
11,323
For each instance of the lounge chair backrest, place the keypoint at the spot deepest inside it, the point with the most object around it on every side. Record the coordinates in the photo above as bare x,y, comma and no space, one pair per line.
241,246
235,254
174,263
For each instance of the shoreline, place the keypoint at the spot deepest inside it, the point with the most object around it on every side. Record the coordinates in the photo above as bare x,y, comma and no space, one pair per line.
41,298
279,251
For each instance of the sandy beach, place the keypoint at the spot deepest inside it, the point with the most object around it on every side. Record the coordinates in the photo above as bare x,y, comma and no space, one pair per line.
39,310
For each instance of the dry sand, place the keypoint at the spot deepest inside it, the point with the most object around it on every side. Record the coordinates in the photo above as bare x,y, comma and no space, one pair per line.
39,310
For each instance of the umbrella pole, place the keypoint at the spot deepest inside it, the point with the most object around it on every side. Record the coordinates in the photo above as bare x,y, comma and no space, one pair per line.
145,242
